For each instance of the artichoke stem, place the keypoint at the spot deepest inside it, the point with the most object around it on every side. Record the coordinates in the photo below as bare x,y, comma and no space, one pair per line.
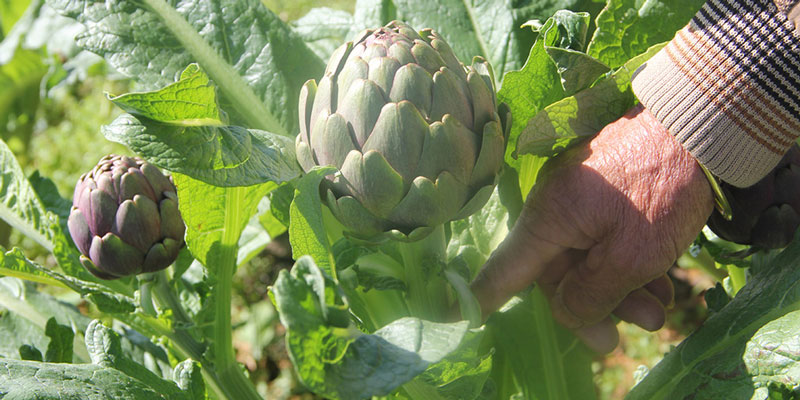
738,277
427,292
146,297
166,298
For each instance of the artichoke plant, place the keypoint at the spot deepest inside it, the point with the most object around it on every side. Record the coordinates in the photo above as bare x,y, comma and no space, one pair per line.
767,214
417,138
125,218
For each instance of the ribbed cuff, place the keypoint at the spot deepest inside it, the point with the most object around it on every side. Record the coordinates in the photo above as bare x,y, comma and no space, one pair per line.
728,87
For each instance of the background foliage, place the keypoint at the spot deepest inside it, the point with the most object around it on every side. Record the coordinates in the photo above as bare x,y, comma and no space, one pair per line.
54,97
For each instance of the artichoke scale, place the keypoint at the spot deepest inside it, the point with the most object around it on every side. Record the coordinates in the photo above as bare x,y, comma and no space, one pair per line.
399,135
372,181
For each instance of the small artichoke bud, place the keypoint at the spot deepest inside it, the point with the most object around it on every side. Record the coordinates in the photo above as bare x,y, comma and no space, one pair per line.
417,137
125,219
767,214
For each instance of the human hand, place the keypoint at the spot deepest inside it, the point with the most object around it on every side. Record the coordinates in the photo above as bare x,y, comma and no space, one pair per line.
601,227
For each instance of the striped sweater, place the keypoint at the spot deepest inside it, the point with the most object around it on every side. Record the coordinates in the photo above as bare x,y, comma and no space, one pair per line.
728,86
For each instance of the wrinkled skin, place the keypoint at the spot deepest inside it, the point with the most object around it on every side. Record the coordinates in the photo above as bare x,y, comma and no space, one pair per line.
600,229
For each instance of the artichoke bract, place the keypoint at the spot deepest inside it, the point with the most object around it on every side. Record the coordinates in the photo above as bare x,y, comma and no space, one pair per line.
767,214
417,138
125,218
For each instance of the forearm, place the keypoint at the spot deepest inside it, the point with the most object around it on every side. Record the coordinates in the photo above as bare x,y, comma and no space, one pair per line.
728,87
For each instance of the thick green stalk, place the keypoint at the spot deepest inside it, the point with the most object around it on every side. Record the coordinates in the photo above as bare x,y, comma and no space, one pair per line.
187,347
237,385
184,343
554,376
427,295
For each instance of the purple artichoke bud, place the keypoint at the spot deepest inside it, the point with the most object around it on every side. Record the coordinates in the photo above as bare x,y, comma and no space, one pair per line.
125,218
767,214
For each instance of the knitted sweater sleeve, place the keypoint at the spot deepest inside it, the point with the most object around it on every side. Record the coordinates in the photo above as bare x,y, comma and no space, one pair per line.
728,86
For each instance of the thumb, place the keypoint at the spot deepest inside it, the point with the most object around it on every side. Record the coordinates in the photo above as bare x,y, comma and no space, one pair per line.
516,263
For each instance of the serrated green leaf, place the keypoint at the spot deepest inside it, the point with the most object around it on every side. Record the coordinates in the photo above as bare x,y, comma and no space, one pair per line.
60,348
567,121
565,37
463,374
473,239
30,353
528,90
218,155
20,207
106,351
627,28
343,363
48,194
190,379
490,29
191,101
15,264
30,380
716,298
324,29
256,61
772,356
216,216
535,356
306,230
280,201
709,362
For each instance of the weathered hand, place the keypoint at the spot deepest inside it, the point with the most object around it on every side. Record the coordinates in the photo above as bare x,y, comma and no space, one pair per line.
601,227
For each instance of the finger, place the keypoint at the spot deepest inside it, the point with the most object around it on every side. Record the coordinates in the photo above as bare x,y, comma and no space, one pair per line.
516,263
591,290
554,271
601,337
663,289
642,308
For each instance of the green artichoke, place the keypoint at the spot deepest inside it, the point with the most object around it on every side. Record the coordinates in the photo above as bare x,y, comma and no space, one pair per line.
125,218
417,138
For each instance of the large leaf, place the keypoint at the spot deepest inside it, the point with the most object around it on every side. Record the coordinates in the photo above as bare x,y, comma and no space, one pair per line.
491,29
734,353
306,229
626,28
20,207
216,216
548,74
30,380
537,357
324,29
577,117
334,359
258,63
772,356
473,239
106,298
180,128
111,375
